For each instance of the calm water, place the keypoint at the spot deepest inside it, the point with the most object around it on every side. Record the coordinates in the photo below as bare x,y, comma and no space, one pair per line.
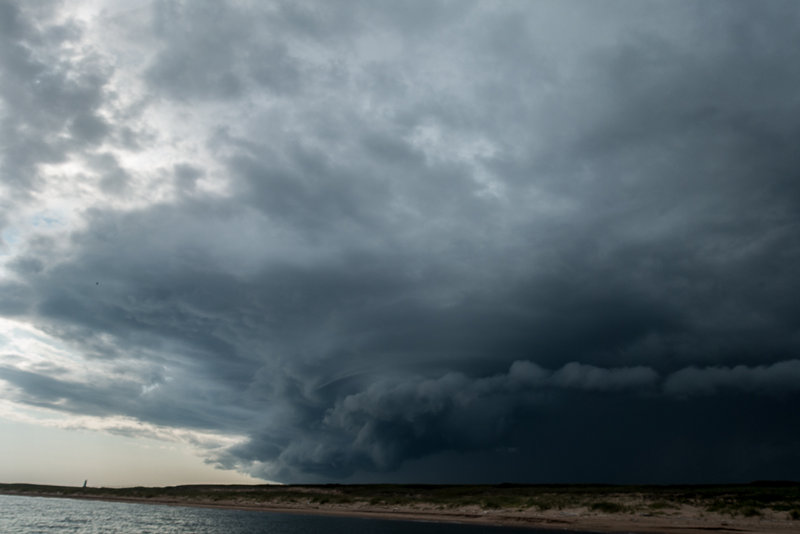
38,515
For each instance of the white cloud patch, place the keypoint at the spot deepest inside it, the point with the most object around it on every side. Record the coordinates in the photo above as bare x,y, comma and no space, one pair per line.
205,442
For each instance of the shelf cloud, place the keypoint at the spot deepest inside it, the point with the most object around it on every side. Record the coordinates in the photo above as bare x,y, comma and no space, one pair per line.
417,241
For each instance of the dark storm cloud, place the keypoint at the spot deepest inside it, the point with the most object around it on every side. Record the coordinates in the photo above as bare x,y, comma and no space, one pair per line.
395,420
475,248
775,379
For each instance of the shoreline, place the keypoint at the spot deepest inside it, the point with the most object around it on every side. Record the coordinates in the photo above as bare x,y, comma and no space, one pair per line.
687,521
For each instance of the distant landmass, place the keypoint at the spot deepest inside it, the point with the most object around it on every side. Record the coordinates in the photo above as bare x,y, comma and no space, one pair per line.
760,507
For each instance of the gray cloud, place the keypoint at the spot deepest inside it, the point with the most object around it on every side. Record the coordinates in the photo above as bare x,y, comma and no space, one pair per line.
414,204
16,298
186,175
395,420
212,50
778,378
51,97
389,423
113,178
594,378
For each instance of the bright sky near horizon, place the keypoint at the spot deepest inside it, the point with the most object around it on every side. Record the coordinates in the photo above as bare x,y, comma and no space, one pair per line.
417,241
44,454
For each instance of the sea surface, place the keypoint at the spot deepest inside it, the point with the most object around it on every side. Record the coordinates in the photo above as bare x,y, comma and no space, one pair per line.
41,515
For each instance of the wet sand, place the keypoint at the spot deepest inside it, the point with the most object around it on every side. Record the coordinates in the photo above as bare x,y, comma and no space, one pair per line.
686,519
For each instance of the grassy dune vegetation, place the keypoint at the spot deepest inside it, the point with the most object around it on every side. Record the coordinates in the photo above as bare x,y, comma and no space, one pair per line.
750,500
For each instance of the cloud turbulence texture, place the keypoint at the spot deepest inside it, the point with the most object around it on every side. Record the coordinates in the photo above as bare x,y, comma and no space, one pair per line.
547,241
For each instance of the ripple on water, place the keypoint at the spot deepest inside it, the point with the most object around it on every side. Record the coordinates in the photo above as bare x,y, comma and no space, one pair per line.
39,515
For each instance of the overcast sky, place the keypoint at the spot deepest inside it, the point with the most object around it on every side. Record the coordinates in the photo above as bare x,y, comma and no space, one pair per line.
532,241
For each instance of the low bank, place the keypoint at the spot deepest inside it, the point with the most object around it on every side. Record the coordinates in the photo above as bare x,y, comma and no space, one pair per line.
760,508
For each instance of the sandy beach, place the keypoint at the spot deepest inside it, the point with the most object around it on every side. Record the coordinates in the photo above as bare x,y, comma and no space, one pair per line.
685,518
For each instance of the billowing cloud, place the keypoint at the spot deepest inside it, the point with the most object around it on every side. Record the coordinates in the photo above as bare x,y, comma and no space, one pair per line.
778,378
398,241
590,377
394,420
